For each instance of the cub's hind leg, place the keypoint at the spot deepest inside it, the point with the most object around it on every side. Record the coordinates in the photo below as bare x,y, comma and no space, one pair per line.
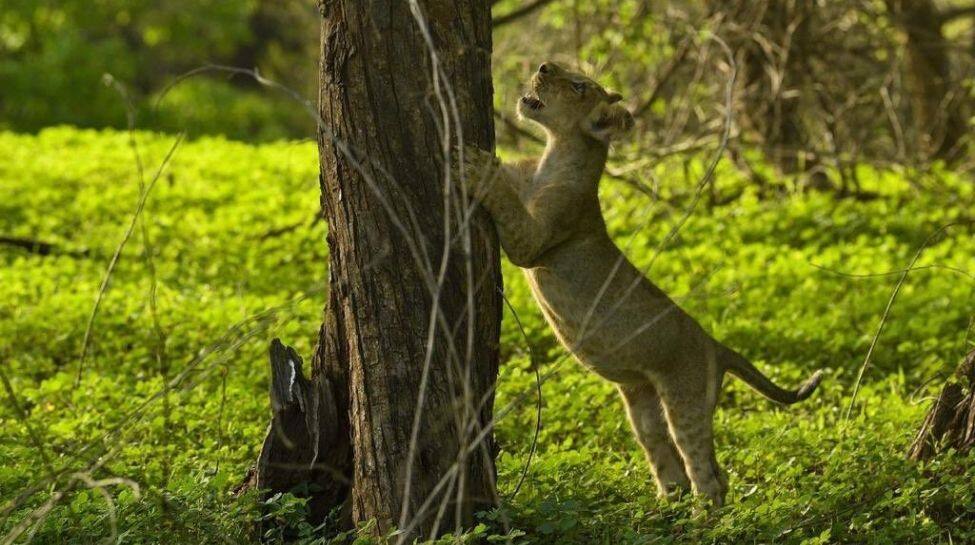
689,405
646,416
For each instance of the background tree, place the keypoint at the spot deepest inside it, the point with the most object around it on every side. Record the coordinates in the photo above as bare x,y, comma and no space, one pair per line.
936,100
773,41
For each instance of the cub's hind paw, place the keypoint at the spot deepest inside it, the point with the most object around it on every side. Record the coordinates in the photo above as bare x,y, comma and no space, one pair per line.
672,491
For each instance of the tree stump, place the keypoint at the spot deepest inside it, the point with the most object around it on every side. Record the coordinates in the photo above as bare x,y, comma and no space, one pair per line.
303,451
951,421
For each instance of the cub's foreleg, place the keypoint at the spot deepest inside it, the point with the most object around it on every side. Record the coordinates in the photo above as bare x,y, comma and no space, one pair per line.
524,235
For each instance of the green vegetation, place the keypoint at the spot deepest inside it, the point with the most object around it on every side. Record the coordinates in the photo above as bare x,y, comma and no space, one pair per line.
53,56
238,259
227,254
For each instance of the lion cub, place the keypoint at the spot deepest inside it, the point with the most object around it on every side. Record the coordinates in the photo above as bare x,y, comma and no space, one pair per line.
611,318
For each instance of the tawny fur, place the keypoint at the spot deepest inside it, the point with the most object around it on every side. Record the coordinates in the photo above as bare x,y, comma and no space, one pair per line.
612,319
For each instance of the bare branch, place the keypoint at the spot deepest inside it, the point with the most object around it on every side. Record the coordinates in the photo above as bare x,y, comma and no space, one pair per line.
664,76
527,9
890,303
515,128
118,255
949,15
38,247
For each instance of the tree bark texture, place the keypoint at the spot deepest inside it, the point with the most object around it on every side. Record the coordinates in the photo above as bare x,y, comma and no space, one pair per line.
414,303
304,451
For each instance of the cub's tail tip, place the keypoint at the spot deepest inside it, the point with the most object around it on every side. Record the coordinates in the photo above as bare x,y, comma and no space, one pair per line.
807,388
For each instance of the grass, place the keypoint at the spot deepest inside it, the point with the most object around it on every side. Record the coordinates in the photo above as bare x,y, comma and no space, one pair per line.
239,260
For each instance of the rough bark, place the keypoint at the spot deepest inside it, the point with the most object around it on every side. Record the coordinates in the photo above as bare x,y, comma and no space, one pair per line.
303,451
384,199
951,421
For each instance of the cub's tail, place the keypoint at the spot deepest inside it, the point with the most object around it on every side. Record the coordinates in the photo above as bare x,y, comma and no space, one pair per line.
737,365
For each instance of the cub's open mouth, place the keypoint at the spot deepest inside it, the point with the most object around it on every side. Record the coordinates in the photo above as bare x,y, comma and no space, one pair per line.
532,102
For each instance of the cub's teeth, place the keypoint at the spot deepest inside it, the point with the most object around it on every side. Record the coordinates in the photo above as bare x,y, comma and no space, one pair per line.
533,102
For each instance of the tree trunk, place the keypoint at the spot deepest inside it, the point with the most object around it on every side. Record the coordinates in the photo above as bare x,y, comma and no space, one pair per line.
781,123
414,301
935,104
775,41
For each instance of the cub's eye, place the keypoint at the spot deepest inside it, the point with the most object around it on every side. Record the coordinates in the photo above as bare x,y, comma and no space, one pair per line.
579,87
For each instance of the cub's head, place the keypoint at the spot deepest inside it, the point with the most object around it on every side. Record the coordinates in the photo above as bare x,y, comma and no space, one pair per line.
566,103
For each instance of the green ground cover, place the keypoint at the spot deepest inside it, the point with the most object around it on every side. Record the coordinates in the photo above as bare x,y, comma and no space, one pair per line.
237,259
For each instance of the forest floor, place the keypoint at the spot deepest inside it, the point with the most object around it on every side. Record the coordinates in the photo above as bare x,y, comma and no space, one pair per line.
227,255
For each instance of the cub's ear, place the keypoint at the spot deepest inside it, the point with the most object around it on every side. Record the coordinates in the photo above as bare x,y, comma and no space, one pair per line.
608,121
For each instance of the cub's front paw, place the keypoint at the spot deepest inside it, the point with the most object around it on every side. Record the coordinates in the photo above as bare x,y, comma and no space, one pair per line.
476,168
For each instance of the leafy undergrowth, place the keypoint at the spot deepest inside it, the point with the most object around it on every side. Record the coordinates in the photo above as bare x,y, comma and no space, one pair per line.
238,259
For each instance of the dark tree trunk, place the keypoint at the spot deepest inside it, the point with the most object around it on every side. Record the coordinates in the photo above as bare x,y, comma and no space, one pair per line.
775,43
936,109
403,252
414,308
778,117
